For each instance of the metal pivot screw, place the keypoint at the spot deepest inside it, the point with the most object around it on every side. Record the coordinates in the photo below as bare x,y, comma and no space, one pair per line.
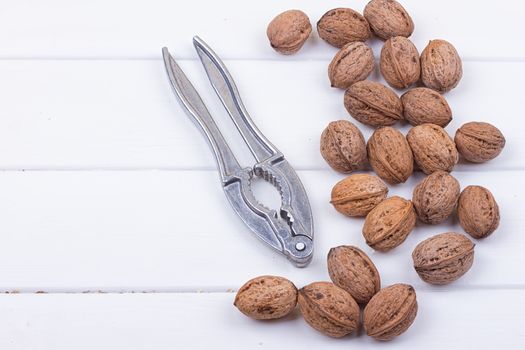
300,246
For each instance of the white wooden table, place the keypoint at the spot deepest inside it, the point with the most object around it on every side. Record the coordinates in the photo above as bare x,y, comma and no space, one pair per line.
110,202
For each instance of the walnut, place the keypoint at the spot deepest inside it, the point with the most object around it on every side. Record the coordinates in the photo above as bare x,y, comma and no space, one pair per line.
441,68
389,223
390,312
329,309
435,197
341,26
266,297
353,63
478,211
479,142
357,194
399,62
433,148
351,269
423,105
390,155
288,31
373,104
343,147
443,258
388,18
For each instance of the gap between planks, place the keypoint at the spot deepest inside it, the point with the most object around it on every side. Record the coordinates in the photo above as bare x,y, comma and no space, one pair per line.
223,57
460,168
430,289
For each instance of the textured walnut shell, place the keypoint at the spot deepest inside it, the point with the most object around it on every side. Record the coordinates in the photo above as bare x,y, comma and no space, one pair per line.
399,62
478,211
389,223
373,104
479,142
433,148
341,26
440,66
436,197
288,31
351,269
390,312
443,258
423,105
357,194
389,155
329,309
266,297
388,18
353,63
343,147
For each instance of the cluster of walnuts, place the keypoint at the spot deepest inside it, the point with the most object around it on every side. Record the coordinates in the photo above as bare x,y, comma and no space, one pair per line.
393,156
334,308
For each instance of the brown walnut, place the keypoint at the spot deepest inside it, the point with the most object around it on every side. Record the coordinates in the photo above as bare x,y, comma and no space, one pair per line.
441,67
443,258
353,63
357,194
478,211
399,62
343,147
341,26
373,104
433,148
423,105
389,223
351,269
266,297
479,142
390,155
435,197
388,18
288,31
390,312
329,309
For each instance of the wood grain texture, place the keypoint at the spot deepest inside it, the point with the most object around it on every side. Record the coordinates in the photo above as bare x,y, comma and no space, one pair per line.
105,184
144,230
236,29
122,114
198,321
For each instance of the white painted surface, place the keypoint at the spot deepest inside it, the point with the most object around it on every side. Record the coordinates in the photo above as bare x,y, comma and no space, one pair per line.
107,186
145,230
237,29
117,114
479,318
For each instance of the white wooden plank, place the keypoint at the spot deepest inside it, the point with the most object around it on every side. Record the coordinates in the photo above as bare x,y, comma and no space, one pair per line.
122,114
490,319
174,231
90,93
237,29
